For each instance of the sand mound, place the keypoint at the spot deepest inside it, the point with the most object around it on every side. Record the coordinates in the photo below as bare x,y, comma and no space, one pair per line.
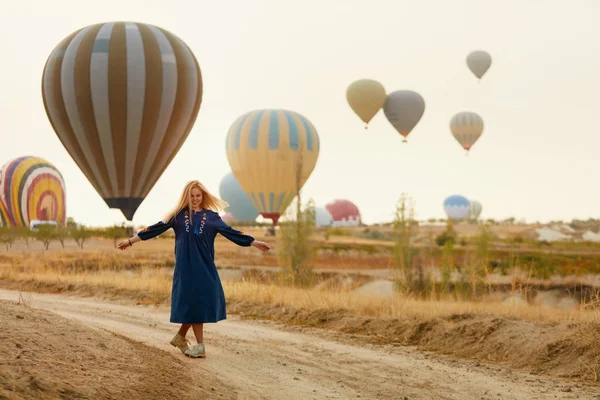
44,356
567,349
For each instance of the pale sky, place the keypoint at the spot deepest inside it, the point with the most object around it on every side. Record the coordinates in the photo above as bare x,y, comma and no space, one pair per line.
537,158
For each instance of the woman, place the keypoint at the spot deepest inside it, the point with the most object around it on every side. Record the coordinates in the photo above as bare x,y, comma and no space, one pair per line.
197,296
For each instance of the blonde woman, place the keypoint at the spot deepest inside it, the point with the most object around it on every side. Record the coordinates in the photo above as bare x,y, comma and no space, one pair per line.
197,296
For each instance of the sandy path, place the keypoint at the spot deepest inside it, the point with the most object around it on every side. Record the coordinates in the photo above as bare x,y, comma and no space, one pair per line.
267,361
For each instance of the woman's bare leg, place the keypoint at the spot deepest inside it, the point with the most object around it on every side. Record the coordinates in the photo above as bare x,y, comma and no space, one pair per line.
199,332
184,329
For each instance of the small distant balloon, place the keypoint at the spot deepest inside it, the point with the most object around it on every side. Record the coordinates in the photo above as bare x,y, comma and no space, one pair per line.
475,210
366,97
322,216
228,218
457,207
466,127
404,109
479,62
344,213
240,206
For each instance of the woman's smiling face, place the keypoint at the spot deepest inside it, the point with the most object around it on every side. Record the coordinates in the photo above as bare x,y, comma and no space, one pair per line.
196,198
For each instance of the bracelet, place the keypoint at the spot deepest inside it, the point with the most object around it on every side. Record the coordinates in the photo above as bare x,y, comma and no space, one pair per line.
130,242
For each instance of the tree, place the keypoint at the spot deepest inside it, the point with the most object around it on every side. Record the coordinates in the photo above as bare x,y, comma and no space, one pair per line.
7,237
80,234
296,251
24,233
46,233
62,233
116,232
404,229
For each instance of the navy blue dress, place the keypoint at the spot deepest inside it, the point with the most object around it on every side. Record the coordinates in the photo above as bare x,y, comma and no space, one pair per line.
197,296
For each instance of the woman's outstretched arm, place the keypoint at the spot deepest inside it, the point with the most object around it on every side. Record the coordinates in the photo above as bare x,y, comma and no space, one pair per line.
145,234
238,237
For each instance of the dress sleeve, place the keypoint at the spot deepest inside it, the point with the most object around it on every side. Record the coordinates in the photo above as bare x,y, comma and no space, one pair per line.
154,230
237,237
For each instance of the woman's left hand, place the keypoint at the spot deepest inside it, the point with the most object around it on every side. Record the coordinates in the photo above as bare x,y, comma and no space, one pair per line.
262,246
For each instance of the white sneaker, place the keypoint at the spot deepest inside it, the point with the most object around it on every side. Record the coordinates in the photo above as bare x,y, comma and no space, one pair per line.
181,343
197,351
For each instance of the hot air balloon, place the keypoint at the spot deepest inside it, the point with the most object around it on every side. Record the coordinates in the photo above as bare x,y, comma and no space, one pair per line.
457,207
240,205
4,218
322,216
475,210
466,127
32,189
272,153
344,212
366,97
228,218
122,98
479,62
404,109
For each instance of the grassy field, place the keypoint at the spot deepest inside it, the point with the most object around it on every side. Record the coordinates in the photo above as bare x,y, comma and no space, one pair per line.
551,340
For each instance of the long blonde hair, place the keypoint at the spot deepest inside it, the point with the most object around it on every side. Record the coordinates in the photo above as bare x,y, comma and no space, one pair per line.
209,201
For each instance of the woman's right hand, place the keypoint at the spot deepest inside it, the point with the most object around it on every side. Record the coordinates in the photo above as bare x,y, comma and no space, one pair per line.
124,244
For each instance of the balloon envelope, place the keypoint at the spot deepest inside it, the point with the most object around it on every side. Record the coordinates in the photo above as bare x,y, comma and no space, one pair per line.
344,212
366,97
228,218
466,127
4,219
322,217
479,62
122,98
475,210
32,189
457,207
240,205
404,109
272,153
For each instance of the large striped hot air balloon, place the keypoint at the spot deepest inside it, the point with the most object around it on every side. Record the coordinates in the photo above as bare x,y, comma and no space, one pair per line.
272,153
32,189
4,219
122,98
466,127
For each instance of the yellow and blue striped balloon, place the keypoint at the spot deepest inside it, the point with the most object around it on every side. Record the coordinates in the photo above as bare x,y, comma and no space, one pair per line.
466,127
272,153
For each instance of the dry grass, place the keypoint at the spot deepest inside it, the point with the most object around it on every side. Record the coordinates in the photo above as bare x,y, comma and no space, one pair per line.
149,275
553,341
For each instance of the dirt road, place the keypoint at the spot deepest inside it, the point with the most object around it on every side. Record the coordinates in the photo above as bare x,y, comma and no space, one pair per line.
262,360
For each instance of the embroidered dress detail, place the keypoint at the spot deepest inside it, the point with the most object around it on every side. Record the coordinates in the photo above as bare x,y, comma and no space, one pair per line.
197,295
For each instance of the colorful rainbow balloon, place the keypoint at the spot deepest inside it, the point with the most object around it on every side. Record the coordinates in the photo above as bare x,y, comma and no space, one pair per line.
32,189
4,219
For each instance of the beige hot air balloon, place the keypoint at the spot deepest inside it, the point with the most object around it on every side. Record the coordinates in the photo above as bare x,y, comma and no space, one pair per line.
466,127
366,97
122,98
479,62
